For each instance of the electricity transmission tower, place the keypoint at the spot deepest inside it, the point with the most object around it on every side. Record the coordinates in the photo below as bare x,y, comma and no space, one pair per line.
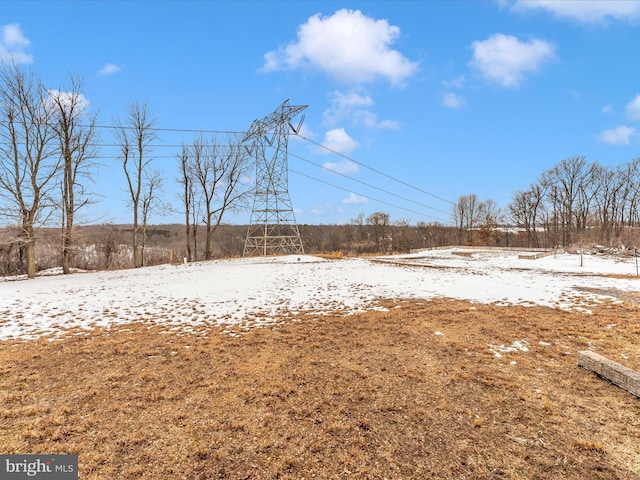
272,228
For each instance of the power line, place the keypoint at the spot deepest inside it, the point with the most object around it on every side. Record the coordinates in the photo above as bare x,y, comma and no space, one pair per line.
362,164
368,184
167,145
162,129
373,169
362,195
153,129
115,145
379,172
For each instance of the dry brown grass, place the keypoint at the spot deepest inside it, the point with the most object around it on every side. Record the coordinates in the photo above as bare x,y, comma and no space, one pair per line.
374,395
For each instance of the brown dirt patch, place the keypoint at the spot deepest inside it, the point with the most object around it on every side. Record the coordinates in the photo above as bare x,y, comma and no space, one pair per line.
625,295
415,392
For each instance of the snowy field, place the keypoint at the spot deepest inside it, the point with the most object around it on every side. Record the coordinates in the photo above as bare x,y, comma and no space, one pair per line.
249,292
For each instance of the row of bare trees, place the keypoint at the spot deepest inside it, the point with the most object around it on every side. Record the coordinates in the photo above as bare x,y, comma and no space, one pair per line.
577,200
48,155
377,233
476,221
46,143
573,202
108,246
214,178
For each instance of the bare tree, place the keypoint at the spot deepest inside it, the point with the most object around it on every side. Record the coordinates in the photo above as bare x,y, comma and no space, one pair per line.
196,212
403,236
458,214
465,216
609,186
29,163
75,129
588,191
630,195
489,218
525,209
151,203
358,227
379,222
568,180
134,137
358,234
185,179
220,171
191,202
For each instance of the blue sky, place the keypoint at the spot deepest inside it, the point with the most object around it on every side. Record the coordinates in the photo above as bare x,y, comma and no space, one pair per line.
451,97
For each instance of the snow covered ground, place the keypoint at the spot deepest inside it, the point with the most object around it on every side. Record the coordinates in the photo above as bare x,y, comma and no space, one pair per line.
255,291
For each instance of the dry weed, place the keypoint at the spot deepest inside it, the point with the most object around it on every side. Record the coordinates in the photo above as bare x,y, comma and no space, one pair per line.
414,392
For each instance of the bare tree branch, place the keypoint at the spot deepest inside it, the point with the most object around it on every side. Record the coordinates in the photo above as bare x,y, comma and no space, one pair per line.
134,137
77,135
29,164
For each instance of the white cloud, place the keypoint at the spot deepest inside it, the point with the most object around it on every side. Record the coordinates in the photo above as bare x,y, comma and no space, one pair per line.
351,100
352,106
343,105
344,167
456,83
633,108
505,59
320,210
348,46
369,119
109,69
618,136
74,100
451,100
339,141
12,36
388,124
355,199
12,45
586,11
608,109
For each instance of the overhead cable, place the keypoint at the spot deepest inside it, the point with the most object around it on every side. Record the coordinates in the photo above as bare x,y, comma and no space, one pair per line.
368,184
373,169
363,195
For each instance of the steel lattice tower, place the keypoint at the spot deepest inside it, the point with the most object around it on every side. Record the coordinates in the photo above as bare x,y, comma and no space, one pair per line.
272,228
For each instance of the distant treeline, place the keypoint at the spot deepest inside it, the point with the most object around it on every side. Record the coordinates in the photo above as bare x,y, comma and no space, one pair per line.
100,247
577,201
109,247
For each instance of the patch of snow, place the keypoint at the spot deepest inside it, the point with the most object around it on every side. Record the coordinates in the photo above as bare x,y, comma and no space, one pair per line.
518,345
248,292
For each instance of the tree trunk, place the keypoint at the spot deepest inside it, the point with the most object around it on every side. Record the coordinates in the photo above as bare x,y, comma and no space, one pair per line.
194,232
187,232
207,243
136,251
66,255
188,240
30,251
66,242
